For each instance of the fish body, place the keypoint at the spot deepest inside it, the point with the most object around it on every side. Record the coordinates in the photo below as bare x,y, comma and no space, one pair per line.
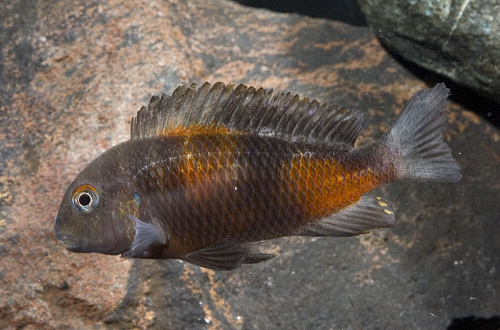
209,172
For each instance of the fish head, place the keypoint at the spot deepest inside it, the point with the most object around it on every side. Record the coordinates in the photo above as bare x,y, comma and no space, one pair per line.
94,215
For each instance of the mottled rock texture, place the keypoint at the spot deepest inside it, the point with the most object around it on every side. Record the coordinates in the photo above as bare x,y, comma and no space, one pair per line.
457,39
73,73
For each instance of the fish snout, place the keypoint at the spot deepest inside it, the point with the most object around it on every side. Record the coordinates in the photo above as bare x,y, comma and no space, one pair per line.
70,243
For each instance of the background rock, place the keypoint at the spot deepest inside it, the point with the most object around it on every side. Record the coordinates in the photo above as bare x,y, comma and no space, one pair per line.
347,11
458,39
73,73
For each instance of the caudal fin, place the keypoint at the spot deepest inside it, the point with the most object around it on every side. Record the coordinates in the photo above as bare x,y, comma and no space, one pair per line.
416,139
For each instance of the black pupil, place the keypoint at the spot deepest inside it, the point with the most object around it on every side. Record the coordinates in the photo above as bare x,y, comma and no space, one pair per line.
84,199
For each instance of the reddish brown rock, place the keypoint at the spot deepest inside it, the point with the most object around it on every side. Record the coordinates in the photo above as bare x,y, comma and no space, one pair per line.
73,73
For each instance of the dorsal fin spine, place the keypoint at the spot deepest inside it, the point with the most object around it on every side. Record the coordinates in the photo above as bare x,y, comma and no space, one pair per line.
242,108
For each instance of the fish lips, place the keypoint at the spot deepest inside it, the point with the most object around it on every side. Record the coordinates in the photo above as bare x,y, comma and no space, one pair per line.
70,243
74,244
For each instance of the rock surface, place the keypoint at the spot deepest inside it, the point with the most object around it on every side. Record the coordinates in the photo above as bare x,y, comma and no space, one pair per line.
346,11
457,39
73,73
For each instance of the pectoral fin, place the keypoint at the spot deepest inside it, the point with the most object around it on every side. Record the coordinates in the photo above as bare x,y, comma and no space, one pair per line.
367,213
227,255
147,235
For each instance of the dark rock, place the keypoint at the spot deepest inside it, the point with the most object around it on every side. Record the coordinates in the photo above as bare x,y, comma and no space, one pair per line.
457,39
475,323
346,11
440,262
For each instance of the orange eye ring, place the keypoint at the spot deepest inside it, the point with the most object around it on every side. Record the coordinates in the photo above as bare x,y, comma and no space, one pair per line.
85,198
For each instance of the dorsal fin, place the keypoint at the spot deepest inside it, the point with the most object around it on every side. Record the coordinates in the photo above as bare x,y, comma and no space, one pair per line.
246,109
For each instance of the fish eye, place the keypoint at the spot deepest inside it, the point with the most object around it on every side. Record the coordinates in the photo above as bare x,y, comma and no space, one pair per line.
85,198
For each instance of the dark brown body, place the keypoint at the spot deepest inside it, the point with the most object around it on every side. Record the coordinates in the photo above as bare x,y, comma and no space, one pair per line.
212,187
211,171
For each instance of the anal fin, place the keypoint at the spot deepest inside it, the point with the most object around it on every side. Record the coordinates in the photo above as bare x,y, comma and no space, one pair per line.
367,213
227,255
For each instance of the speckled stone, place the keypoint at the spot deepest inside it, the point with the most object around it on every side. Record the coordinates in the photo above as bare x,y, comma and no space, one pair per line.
457,39
73,73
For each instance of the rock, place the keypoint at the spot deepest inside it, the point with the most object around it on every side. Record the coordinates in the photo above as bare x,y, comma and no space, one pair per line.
457,39
347,11
74,72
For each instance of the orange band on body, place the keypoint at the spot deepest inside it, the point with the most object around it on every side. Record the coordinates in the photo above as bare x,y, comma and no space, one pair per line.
324,186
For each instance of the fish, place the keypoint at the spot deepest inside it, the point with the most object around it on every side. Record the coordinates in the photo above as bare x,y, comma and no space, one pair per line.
210,172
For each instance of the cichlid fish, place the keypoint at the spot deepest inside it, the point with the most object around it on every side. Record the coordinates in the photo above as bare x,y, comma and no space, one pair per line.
211,171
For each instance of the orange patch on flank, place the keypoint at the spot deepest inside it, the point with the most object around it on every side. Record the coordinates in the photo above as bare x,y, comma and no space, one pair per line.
198,129
196,167
323,186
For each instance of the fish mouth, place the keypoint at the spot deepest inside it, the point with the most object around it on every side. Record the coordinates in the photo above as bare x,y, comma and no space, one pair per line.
70,243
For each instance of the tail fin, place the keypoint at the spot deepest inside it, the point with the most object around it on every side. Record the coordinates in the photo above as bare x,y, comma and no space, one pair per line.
416,138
